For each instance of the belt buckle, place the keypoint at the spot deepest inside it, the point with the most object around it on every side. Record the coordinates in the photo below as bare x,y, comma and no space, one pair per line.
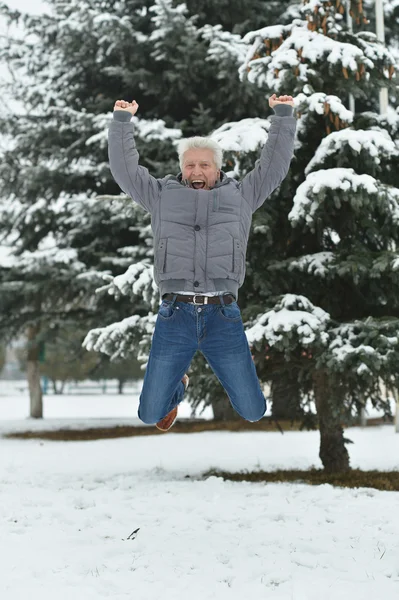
200,303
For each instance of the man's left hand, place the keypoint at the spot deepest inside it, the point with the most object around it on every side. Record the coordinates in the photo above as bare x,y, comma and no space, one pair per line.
273,100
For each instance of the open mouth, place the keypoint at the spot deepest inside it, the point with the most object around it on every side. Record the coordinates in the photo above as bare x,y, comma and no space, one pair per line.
198,184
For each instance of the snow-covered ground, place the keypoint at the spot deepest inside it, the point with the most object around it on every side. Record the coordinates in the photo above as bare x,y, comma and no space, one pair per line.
83,406
67,509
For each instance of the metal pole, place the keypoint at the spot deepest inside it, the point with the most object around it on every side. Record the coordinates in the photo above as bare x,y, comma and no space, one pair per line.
396,396
350,28
380,31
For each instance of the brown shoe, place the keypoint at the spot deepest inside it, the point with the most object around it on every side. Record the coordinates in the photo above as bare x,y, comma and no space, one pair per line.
167,422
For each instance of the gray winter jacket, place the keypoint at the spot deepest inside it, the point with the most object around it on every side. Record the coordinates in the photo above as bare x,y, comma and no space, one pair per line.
201,236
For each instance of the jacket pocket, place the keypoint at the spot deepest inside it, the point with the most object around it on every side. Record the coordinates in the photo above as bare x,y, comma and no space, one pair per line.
237,255
217,207
161,255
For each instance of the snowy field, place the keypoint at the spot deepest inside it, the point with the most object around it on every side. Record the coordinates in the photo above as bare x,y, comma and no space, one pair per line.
83,407
67,509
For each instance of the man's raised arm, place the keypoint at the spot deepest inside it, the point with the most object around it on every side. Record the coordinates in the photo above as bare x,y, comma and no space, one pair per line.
132,178
272,167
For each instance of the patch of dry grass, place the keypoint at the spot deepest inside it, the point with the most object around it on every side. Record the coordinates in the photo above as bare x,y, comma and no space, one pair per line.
181,426
355,478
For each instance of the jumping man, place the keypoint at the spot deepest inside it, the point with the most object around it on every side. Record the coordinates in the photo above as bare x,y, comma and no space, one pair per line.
201,221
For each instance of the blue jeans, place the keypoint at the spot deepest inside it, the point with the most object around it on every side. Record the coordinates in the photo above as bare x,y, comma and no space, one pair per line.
217,331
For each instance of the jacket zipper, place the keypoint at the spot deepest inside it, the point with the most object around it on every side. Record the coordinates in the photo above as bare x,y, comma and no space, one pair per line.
206,244
195,237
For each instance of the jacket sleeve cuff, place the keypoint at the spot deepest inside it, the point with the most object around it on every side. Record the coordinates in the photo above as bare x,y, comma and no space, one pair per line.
284,110
122,115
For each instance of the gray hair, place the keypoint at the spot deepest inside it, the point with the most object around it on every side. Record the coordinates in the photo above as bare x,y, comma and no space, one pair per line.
200,142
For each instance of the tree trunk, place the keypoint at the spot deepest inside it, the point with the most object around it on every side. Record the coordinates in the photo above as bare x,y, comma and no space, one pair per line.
222,409
286,397
363,417
33,374
121,383
333,452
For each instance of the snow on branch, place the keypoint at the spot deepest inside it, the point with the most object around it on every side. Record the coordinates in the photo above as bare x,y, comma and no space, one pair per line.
313,264
122,339
7,259
136,281
337,186
271,32
364,348
310,108
242,136
224,43
154,130
145,129
376,144
277,50
46,258
293,321
316,103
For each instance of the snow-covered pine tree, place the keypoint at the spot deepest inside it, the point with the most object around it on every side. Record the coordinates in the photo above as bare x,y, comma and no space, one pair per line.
323,256
62,239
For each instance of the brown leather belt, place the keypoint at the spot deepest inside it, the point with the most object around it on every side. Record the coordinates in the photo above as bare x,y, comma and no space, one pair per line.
198,299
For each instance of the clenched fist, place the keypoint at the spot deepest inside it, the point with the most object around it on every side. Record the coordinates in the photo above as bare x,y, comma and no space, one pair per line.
273,101
130,107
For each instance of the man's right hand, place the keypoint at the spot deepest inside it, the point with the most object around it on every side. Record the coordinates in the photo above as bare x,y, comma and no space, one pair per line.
130,107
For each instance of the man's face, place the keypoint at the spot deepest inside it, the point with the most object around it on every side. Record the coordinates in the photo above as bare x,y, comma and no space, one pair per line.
199,168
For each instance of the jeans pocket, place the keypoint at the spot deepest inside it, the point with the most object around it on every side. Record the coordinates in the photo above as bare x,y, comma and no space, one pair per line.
230,312
166,310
